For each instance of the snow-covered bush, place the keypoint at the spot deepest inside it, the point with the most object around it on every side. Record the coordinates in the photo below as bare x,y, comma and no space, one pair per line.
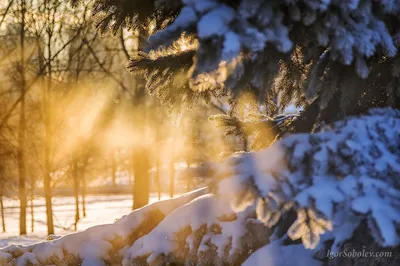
196,229
334,180
99,245
204,232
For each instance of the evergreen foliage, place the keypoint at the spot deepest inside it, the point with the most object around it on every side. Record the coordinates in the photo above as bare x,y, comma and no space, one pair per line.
334,180
261,129
318,54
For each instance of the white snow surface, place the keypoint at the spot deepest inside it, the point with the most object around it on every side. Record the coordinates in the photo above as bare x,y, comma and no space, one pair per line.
275,254
205,210
100,209
93,245
215,22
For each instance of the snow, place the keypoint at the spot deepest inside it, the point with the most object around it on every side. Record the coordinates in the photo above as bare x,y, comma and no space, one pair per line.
292,109
275,254
95,250
201,211
362,68
324,193
201,6
9,239
232,46
215,22
187,16
206,225
331,199
46,250
384,216
4,257
100,209
27,259
94,244
353,31
313,173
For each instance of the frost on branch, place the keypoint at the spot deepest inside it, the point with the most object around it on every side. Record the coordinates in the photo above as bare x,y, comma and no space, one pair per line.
334,180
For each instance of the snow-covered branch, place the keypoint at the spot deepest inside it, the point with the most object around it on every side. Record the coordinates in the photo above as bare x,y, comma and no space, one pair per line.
333,179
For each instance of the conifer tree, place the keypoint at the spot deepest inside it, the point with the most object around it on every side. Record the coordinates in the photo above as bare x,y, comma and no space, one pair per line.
333,58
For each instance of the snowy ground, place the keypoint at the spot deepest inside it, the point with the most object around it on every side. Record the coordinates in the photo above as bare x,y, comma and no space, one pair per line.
100,209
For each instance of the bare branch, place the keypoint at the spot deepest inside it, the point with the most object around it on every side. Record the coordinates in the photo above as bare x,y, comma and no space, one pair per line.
109,73
30,86
6,11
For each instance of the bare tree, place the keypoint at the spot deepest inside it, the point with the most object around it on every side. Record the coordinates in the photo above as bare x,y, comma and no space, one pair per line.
22,125
2,185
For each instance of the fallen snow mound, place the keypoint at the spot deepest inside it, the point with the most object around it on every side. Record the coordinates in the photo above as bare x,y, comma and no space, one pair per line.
98,245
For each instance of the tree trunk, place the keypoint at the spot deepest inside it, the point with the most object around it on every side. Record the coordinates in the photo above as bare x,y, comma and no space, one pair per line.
22,130
48,128
48,195
141,184
188,178
114,170
140,158
47,162
32,214
158,175
171,178
3,221
245,143
31,206
22,171
76,191
83,192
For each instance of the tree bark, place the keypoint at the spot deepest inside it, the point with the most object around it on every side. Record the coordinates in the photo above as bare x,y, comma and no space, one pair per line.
48,129
83,191
47,159
158,175
22,171
188,179
114,170
22,130
3,220
141,156
171,177
76,191
32,214
245,143
141,184
31,205
47,191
